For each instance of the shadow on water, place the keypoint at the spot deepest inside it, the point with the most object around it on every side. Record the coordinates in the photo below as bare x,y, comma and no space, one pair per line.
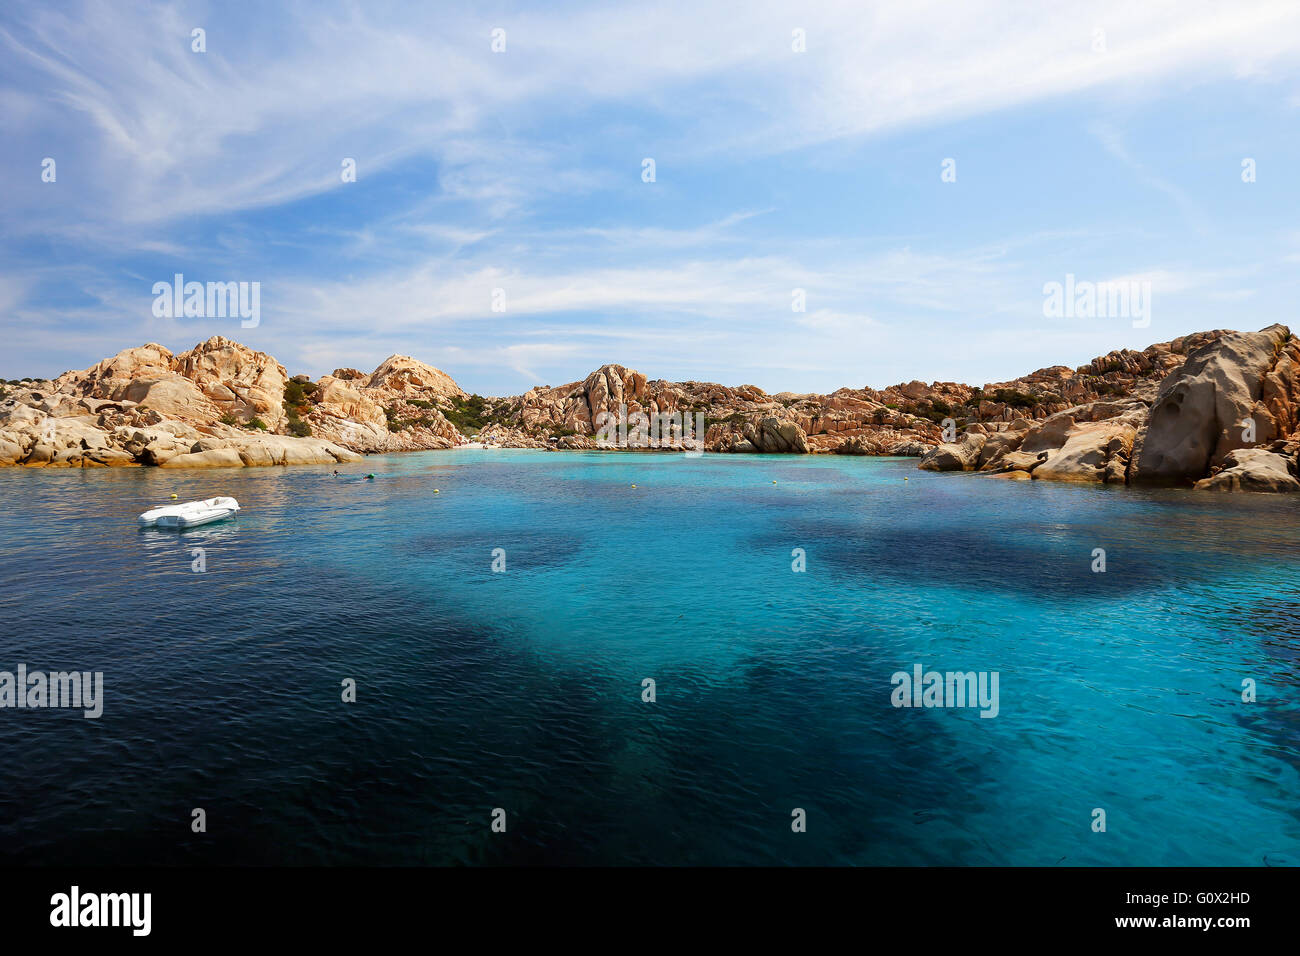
223,689
241,715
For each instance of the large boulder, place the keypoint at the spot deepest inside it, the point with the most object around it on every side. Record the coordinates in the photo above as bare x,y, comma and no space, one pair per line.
11,448
173,396
772,435
855,446
1025,461
213,458
998,444
1091,451
262,450
1200,411
961,455
909,448
265,450
1271,469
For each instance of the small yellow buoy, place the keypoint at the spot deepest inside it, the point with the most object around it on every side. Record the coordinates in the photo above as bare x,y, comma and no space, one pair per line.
435,491
173,496
634,486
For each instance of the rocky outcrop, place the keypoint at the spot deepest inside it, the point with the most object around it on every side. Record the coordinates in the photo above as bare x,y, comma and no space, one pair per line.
1090,451
1271,469
1022,461
376,420
577,408
1217,410
1212,421
961,455
1086,443
218,404
772,435
215,379
1211,406
236,379
401,375
507,437
742,418
263,451
854,446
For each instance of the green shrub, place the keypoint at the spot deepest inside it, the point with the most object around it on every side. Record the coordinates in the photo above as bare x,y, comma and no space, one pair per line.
295,393
1014,398
255,424
472,413
296,402
229,419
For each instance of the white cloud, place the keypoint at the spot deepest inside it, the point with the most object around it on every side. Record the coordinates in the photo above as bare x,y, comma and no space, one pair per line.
149,136
260,120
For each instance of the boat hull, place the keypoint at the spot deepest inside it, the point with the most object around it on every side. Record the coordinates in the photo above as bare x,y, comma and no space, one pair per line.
195,519
191,514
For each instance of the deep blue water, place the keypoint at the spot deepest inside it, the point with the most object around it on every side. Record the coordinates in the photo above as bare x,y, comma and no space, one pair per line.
522,690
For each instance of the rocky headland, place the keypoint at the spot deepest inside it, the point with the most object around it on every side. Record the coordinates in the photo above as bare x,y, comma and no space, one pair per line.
1216,411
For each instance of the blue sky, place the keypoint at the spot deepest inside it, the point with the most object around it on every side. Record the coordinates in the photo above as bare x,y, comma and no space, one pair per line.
1109,155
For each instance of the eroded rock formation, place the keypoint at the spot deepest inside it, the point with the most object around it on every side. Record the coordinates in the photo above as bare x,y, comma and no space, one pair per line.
219,404
1215,410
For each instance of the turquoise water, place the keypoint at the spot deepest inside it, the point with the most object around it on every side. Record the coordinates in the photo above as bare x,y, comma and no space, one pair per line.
523,690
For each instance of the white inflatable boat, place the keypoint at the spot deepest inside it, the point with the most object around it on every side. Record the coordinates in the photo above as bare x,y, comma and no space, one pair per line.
191,514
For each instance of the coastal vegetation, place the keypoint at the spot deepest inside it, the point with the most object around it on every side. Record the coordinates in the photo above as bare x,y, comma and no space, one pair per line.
472,413
297,403
1014,398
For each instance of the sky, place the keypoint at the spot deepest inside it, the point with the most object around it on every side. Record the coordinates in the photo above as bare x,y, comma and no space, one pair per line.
921,171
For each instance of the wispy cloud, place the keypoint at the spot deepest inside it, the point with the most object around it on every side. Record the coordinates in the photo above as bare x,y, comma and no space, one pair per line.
521,171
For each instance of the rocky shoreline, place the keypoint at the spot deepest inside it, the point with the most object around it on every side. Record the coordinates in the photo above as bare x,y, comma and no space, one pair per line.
1214,411
1217,411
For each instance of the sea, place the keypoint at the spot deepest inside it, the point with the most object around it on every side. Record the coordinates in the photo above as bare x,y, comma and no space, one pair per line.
497,657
